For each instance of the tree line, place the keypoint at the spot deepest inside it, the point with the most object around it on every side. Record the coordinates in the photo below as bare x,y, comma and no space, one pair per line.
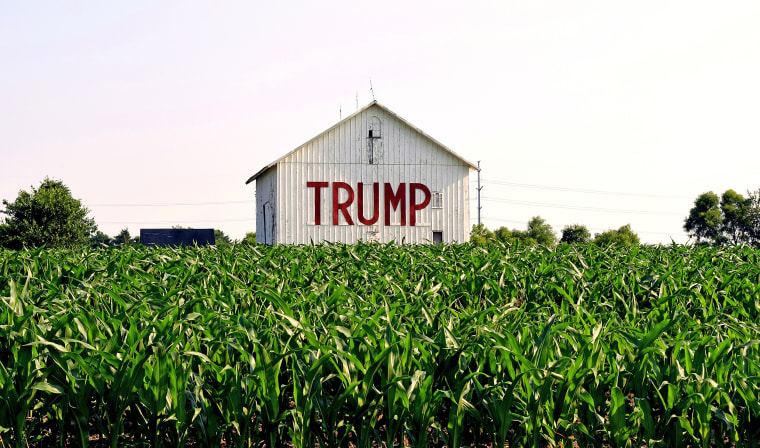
541,233
50,216
728,219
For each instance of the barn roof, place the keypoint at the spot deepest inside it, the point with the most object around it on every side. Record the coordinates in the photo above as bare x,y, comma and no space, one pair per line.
389,112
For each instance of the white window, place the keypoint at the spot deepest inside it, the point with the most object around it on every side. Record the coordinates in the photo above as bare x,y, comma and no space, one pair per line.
437,199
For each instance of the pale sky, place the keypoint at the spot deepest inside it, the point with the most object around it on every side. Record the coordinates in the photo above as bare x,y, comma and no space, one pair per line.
601,113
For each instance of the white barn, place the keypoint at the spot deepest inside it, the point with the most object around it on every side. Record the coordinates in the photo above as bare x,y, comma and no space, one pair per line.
371,177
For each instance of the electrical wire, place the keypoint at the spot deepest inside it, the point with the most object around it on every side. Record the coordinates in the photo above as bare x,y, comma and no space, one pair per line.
573,207
172,204
581,190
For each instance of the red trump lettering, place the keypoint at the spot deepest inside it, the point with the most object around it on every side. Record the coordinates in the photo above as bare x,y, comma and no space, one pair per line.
318,186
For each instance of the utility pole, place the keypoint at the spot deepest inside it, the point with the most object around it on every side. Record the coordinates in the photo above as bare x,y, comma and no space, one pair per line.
479,188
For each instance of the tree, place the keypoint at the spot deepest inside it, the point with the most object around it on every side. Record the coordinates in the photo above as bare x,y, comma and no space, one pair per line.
736,222
541,232
48,216
123,238
480,235
220,239
249,239
576,233
704,218
730,219
100,239
753,217
503,234
624,236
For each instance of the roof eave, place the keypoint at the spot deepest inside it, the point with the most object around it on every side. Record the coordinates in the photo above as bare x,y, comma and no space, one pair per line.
469,164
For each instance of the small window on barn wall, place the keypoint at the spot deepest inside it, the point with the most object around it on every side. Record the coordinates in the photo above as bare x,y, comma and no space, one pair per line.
374,128
374,154
437,199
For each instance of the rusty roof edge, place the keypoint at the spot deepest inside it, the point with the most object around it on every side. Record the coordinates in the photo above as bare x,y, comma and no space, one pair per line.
471,165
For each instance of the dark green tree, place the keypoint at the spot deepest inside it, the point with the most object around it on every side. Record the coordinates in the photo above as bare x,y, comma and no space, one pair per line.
730,219
48,216
753,217
624,236
220,239
705,219
736,217
576,233
100,239
123,238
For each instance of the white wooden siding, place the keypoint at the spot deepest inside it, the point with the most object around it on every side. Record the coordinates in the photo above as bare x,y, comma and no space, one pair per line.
340,155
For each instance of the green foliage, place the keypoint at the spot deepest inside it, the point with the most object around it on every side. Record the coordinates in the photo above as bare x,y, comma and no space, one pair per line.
480,235
47,216
221,239
730,219
576,233
249,239
704,220
538,232
368,345
623,236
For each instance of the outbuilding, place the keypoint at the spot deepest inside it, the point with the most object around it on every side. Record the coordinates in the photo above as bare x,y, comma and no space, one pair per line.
371,177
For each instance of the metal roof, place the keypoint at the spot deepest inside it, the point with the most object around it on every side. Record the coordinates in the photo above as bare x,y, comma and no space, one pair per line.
389,112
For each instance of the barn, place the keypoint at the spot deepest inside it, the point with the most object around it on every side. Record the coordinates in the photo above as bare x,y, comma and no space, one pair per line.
371,177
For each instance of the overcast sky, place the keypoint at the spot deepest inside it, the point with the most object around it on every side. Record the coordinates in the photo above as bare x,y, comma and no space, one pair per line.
593,112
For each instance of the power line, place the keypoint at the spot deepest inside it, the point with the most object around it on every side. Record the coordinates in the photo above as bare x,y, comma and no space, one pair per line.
172,204
574,207
182,221
581,190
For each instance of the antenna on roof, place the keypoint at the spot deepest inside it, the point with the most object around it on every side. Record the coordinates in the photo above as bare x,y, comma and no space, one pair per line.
371,90
340,112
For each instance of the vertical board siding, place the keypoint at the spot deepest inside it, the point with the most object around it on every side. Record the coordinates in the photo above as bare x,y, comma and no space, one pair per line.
340,155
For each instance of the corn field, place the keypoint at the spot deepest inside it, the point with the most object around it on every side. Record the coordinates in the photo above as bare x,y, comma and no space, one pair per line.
380,345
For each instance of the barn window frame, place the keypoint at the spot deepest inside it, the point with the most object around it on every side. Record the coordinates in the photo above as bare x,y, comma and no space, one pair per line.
436,199
374,136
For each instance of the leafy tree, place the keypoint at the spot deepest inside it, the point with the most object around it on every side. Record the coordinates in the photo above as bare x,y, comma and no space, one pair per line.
220,239
123,238
736,223
522,236
48,216
541,232
576,233
753,217
623,235
704,220
503,234
250,238
480,235
730,219
538,232
100,239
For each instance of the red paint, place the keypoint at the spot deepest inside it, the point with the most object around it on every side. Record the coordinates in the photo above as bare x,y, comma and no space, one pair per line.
392,201
342,206
375,204
413,207
317,199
